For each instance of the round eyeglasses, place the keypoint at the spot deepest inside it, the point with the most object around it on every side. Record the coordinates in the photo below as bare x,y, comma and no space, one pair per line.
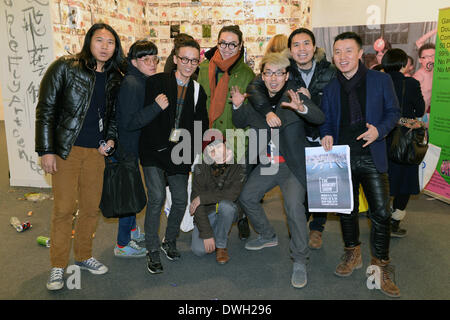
185,60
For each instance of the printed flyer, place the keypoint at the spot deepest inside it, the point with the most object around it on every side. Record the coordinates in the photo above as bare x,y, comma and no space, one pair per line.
329,182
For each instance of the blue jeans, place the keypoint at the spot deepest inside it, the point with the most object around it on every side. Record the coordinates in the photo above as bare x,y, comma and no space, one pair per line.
155,180
126,224
221,224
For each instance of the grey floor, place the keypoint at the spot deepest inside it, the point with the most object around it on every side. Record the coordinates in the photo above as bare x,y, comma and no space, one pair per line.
422,259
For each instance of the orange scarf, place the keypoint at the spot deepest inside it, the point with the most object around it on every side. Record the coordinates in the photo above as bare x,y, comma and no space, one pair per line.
219,92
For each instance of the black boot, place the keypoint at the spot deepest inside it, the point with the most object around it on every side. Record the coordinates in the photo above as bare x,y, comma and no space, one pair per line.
396,231
244,229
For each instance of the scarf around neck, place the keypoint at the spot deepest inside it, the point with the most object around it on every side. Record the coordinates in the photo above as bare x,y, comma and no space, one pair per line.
219,91
349,86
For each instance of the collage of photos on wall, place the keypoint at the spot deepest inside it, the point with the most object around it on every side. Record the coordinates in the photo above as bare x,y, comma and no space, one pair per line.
161,20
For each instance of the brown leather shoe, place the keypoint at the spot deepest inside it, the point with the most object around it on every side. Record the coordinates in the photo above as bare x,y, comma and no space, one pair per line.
387,285
315,239
222,256
351,260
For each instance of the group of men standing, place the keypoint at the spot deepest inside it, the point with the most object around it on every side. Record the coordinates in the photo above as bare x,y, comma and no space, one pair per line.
299,100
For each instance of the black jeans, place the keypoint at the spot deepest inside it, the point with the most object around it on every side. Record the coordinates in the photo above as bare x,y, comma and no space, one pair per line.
376,189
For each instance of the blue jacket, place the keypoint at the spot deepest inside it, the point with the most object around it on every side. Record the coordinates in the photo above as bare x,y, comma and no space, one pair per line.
382,111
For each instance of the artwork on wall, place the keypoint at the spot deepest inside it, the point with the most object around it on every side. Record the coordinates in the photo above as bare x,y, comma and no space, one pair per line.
161,20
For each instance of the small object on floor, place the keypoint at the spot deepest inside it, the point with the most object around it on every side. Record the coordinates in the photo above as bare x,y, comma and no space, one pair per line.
36,196
43,241
19,226
30,213
243,228
315,239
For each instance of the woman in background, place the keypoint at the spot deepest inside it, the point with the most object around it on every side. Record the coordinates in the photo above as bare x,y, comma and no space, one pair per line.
403,178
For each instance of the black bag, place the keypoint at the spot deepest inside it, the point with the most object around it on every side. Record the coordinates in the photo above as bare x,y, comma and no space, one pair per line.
409,140
123,191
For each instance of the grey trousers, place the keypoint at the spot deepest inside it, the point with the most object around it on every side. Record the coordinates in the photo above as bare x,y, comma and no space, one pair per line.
294,198
155,181
221,224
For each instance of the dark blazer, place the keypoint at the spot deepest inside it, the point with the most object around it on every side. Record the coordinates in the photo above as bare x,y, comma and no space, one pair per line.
382,111
292,131
154,145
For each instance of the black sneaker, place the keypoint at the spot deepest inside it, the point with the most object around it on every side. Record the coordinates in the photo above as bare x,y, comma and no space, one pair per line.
170,249
396,231
244,229
154,262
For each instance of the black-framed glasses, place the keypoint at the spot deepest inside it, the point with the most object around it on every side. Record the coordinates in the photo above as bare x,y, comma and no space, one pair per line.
149,60
278,73
230,45
185,60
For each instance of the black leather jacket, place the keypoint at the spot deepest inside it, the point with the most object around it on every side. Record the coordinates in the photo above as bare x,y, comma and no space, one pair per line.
64,98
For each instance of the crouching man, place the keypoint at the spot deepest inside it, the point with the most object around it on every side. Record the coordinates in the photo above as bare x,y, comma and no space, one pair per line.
216,186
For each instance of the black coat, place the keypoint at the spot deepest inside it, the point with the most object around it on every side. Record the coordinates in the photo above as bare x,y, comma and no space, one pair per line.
404,179
323,73
154,145
131,114
64,99
292,137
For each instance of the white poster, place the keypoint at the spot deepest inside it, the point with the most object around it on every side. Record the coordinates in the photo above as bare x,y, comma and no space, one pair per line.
329,180
26,37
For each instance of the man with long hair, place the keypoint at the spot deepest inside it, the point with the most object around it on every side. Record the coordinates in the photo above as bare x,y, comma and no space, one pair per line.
75,130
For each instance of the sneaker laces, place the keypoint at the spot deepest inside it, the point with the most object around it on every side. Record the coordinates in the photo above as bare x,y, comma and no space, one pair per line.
134,245
56,274
93,263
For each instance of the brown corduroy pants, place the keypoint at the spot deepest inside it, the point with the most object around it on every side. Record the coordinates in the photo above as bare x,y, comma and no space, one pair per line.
79,178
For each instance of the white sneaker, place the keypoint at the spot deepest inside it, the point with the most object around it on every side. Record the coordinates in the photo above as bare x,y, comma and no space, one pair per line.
56,279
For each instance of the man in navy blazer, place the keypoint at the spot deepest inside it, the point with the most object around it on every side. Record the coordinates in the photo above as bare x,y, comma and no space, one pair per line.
361,108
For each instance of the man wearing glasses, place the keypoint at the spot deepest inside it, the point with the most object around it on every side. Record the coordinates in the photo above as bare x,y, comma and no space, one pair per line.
286,153
185,106
311,72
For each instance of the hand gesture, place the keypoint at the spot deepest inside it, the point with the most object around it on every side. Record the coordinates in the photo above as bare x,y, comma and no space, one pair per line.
194,205
295,102
162,101
370,135
273,120
236,97
304,91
